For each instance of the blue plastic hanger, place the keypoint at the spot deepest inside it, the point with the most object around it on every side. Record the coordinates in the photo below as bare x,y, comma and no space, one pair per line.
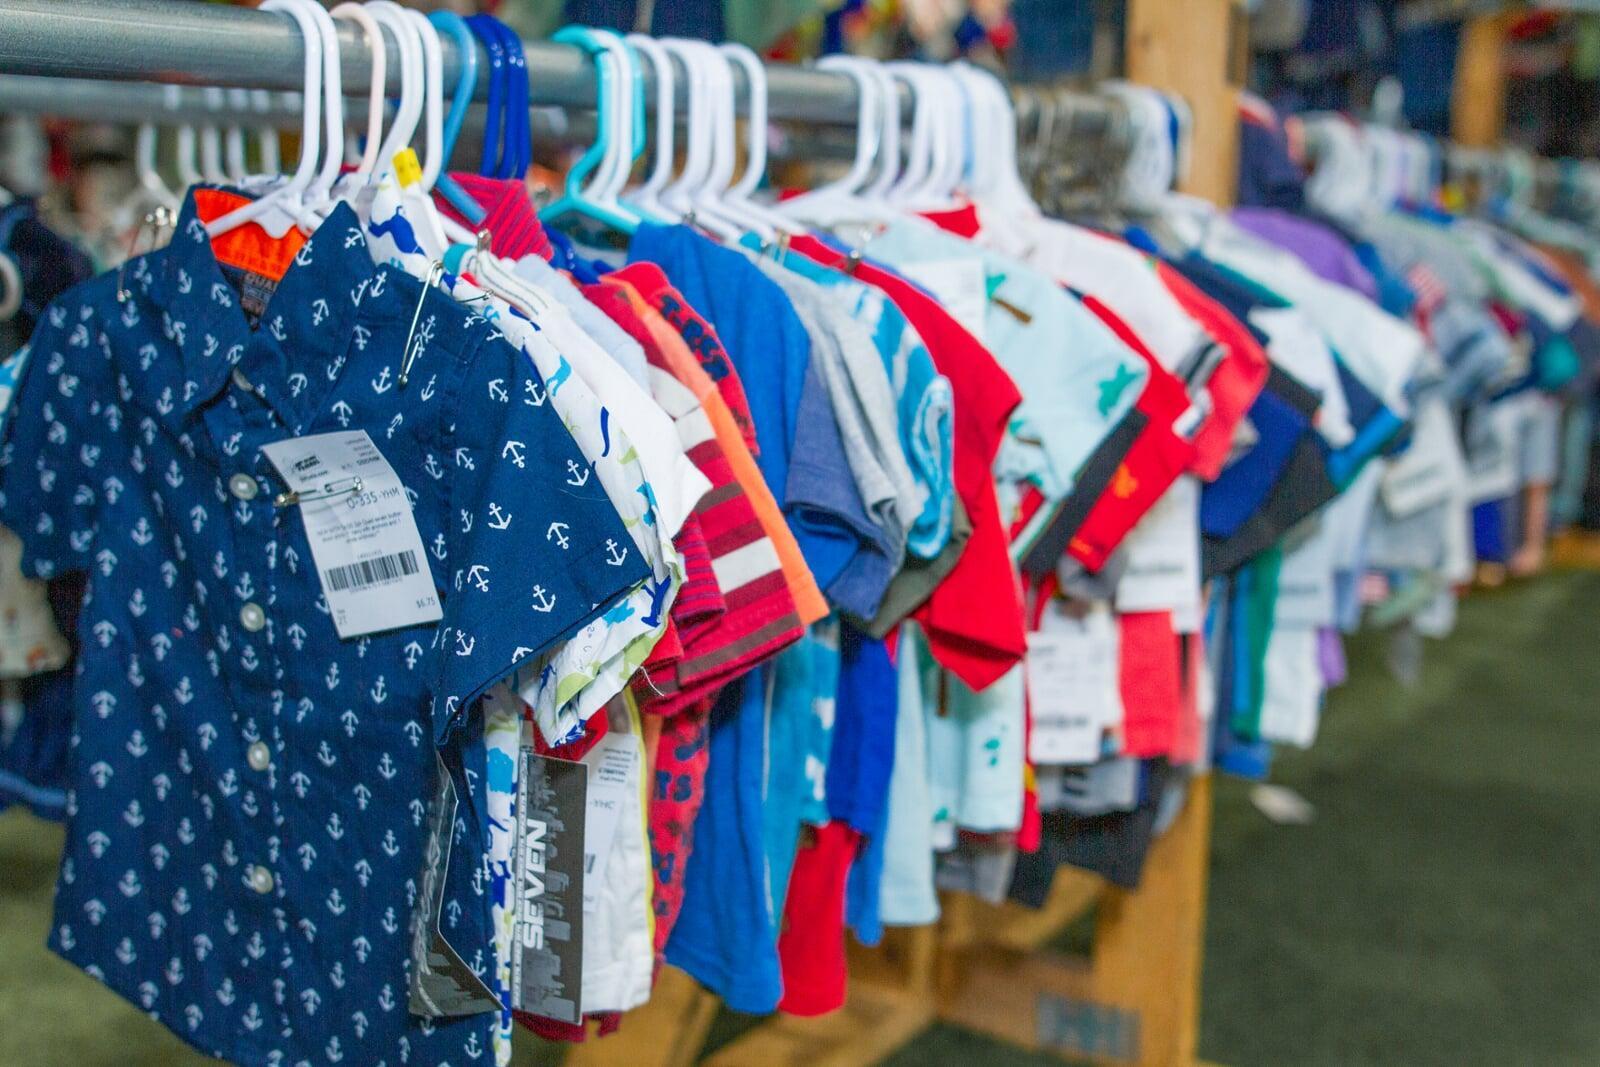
574,198
467,49
519,121
485,27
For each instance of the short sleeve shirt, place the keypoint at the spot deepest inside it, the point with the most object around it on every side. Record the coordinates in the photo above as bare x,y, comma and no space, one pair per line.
250,791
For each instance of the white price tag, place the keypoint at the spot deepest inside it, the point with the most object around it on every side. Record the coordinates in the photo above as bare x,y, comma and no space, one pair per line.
1073,693
364,541
1163,552
613,775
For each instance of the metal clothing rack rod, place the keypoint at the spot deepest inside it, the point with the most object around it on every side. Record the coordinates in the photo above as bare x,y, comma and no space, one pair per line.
215,45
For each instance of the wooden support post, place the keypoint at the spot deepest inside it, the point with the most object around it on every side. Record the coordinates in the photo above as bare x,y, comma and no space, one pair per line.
1136,999
1478,97
1189,47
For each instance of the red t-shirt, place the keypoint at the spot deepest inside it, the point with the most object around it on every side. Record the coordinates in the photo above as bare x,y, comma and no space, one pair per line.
1150,665
973,620
811,945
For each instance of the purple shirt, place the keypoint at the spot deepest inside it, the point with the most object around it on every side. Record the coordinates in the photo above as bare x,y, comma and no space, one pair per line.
1319,247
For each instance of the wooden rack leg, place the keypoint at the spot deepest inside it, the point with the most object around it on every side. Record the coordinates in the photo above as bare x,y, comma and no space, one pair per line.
890,1003
669,1031
1137,999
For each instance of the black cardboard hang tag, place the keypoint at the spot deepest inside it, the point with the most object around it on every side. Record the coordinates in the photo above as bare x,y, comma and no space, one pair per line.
547,955
441,982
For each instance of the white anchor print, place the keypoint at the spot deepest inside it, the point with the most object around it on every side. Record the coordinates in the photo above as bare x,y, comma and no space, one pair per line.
513,449
500,519
576,476
341,411
104,703
557,532
427,390
611,553
542,601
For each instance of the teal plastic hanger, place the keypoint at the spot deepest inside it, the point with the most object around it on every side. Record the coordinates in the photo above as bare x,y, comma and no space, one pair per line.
467,49
575,199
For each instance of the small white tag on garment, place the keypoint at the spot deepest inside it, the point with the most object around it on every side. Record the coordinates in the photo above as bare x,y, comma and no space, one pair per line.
1073,692
364,540
613,774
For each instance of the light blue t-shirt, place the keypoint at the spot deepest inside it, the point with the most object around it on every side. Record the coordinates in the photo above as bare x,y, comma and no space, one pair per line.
1056,350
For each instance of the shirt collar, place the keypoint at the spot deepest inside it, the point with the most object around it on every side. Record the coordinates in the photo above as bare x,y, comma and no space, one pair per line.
326,287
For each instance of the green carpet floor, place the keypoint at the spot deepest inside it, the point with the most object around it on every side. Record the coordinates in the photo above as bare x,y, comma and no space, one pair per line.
1440,910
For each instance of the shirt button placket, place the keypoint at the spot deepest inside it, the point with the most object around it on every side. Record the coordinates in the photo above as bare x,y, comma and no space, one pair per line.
259,875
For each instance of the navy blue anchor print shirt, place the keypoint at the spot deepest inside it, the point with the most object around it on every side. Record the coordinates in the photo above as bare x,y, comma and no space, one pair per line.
248,795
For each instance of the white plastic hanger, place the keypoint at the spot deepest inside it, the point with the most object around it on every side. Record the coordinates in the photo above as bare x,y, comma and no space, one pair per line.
234,161
434,232
840,196
409,111
146,142
647,199
433,97
739,199
919,153
950,124
210,138
275,211
319,195
373,33
267,140
1003,184
187,157
615,167
677,197
709,211
875,193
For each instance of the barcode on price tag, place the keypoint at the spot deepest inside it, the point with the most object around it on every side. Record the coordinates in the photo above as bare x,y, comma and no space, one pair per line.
363,537
371,571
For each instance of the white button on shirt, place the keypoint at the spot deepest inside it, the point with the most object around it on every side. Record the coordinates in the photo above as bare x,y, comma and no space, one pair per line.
259,756
243,486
